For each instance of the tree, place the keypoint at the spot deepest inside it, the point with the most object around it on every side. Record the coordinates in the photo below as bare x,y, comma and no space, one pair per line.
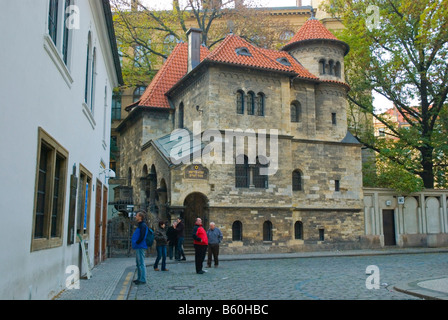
146,37
403,57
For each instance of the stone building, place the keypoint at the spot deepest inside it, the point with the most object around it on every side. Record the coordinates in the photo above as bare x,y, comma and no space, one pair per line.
293,17
311,197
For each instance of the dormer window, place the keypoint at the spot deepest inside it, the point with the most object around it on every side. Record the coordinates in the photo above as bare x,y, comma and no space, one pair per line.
284,61
243,51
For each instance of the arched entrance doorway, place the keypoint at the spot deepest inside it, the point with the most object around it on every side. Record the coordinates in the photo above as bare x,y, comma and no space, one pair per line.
196,206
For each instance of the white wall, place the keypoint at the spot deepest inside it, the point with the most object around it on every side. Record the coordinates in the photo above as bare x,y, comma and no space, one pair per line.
422,220
34,94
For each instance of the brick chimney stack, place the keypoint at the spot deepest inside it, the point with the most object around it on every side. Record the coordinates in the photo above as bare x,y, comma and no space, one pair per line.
299,3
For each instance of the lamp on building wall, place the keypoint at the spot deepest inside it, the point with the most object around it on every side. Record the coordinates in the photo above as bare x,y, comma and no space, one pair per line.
109,173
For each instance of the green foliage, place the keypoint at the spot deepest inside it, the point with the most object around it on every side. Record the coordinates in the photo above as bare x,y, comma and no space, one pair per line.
403,58
146,37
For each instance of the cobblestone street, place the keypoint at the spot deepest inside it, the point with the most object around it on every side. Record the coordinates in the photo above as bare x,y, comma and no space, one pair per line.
320,278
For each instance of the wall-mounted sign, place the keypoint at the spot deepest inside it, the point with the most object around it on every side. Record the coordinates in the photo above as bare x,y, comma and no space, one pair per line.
196,171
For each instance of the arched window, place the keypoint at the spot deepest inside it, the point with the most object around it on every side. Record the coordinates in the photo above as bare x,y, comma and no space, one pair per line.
138,92
243,51
298,230
337,69
88,68
331,67
267,231
297,181
53,20
322,64
250,103
240,102
181,115
242,172
68,13
237,231
260,180
92,83
296,110
260,104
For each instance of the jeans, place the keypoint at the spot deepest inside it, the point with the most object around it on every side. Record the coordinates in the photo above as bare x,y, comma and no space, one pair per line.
180,248
161,253
140,261
172,247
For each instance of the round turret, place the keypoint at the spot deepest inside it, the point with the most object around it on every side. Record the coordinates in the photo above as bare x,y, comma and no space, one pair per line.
318,50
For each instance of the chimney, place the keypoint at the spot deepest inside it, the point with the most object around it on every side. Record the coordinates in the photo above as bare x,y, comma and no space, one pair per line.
299,3
194,47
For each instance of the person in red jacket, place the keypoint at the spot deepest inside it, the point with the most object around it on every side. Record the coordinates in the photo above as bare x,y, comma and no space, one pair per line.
200,245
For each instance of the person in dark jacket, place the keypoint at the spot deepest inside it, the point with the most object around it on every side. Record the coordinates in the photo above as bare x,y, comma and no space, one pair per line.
180,229
161,242
139,245
200,245
171,233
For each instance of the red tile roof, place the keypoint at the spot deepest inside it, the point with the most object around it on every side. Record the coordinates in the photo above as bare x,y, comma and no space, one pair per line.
174,68
227,52
313,29
295,65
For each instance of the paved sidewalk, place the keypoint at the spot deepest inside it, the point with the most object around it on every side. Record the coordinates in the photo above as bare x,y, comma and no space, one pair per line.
430,289
112,279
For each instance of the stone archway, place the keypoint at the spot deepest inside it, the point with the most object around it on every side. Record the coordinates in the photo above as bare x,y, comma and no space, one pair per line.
196,206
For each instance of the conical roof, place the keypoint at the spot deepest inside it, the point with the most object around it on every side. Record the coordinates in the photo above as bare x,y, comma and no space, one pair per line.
313,29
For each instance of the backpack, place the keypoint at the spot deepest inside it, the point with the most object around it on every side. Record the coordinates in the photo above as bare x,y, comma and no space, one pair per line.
149,237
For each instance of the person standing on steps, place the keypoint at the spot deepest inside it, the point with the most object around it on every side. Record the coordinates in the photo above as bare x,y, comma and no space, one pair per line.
200,245
214,236
180,229
161,242
139,245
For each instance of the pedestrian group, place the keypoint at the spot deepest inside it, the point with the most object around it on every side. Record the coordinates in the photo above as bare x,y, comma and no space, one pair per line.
169,242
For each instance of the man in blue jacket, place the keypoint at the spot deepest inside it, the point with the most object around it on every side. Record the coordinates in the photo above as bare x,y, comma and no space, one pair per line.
139,245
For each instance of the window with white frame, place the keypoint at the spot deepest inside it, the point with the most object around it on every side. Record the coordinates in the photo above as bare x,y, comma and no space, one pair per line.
62,18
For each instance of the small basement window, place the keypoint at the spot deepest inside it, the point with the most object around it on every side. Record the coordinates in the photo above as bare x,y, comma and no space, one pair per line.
321,234
243,51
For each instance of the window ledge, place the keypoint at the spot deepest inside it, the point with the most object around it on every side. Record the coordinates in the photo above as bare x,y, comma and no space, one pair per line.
45,243
55,56
88,114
